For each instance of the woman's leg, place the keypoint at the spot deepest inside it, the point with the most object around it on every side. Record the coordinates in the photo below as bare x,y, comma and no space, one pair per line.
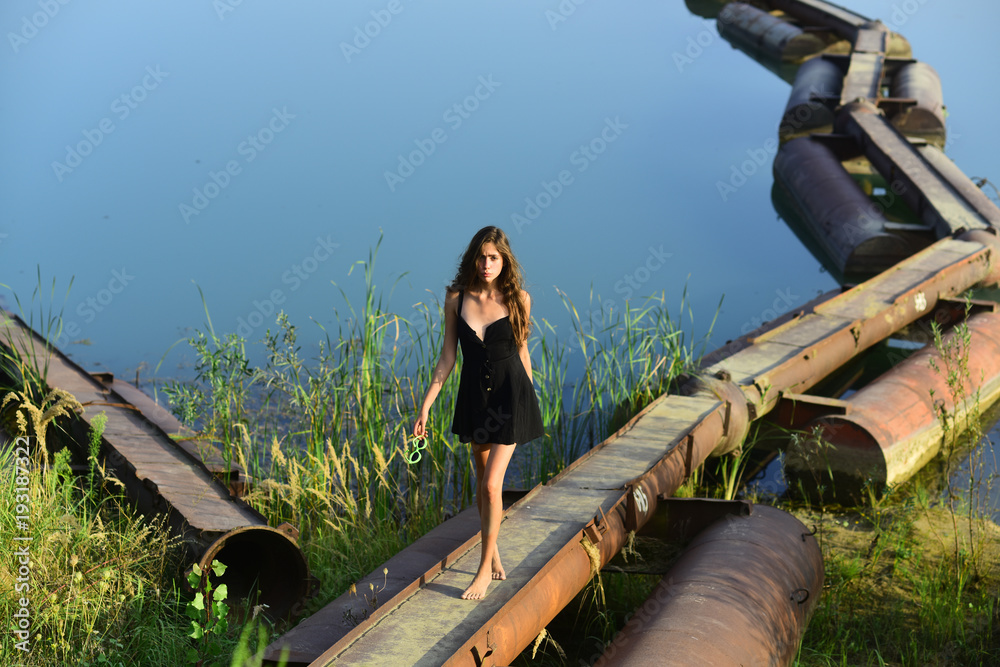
481,455
491,465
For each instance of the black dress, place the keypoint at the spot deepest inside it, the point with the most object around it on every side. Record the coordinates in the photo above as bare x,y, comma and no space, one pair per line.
496,401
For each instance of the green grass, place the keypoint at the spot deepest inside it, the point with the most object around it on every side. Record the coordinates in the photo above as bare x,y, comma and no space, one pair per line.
322,437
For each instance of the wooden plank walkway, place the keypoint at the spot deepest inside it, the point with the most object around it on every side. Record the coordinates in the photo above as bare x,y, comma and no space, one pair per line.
434,625
789,357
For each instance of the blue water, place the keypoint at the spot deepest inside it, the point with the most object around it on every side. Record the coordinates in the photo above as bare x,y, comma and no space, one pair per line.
259,150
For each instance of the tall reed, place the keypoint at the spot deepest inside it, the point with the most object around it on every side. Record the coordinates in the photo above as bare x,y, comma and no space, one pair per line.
325,435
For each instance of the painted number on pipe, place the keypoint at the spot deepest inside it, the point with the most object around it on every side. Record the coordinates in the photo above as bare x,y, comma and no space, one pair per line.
641,503
920,302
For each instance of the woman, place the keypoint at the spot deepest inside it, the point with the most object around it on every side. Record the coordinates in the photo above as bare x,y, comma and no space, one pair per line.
488,311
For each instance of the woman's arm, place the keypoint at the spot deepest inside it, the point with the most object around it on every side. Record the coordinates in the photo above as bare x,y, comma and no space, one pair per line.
523,351
445,363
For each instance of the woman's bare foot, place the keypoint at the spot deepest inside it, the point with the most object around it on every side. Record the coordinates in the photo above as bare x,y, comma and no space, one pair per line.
498,572
477,589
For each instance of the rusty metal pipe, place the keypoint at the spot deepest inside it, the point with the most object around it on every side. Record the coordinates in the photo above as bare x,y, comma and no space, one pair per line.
893,427
161,478
740,594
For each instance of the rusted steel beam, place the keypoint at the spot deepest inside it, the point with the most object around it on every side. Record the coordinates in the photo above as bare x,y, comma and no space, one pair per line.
866,66
962,184
230,473
557,564
808,346
379,592
922,188
556,584
784,354
891,428
161,478
740,594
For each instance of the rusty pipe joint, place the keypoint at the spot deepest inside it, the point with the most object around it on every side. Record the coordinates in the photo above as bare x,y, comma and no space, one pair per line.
991,239
736,423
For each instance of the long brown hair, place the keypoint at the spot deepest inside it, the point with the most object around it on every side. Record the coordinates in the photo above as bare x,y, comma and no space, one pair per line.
509,283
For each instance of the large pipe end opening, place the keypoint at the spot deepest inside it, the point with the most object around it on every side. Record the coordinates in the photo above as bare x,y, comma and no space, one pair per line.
263,565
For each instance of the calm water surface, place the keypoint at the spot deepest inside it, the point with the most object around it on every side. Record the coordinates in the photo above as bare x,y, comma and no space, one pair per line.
258,150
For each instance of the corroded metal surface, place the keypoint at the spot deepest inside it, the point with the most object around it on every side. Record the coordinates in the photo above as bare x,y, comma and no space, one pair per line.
810,345
160,477
923,189
892,427
740,594
383,589
962,184
228,472
541,541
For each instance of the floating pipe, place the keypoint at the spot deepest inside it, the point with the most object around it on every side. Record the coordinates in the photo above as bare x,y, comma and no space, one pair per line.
741,594
846,224
817,80
892,427
925,119
708,9
765,38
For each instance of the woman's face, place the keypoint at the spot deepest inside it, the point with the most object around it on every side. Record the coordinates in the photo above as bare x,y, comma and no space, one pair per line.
489,264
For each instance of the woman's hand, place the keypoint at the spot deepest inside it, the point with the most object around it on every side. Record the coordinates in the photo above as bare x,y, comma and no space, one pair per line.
420,426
